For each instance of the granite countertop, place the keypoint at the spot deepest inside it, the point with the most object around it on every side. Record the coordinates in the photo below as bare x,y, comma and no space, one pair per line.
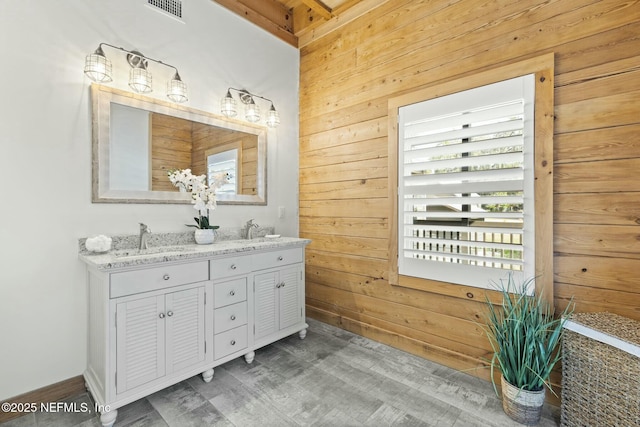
176,247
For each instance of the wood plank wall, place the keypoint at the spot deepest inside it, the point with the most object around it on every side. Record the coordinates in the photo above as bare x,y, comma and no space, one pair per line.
346,79
170,149
249,184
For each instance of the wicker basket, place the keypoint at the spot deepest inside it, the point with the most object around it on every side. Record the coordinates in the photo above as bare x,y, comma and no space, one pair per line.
601,371
522,406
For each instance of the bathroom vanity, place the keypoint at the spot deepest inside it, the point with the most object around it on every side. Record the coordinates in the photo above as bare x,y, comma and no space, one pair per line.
160,316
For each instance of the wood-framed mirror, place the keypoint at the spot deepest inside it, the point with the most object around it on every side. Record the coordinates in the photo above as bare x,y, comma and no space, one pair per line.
137,140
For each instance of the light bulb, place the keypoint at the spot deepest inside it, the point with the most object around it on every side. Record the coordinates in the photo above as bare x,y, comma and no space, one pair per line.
140,80
177,89
252,112
228,105
97,67
273,118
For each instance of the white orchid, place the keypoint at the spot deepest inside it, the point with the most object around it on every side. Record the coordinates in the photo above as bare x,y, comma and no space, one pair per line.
203,197
220,179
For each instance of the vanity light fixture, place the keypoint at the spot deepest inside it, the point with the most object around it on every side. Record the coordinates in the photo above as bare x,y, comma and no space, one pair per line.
252,110
273,118
139,77
98,68
228,105
177,89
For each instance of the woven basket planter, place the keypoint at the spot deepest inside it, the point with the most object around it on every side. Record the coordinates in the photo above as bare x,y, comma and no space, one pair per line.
520,405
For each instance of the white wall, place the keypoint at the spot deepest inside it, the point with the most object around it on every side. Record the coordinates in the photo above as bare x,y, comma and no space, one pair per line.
45,153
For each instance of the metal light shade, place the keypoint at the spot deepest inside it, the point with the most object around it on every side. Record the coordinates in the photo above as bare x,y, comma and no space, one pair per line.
228,106
273,118
252,112
140,80
97,67
177,89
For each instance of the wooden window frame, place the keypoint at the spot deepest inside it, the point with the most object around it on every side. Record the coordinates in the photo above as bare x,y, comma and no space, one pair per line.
543,69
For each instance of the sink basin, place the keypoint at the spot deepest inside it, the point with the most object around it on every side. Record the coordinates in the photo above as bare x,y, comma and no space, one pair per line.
124,253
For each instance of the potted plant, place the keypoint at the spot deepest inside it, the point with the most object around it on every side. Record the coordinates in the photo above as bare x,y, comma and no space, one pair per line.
203,197
525,335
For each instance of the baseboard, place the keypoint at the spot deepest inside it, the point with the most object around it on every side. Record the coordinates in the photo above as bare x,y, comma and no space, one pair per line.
51,393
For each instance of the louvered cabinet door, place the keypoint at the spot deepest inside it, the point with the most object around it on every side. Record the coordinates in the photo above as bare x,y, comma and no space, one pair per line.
185,329
289,297
140,338
278,296
266,300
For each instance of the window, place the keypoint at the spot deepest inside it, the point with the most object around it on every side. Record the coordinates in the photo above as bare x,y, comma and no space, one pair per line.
225,159
465,199
453,205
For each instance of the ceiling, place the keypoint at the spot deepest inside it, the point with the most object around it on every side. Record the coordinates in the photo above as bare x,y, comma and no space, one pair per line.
299,22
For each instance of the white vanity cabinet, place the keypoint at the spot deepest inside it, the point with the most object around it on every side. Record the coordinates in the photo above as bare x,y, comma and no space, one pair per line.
148,329
279,295
157,322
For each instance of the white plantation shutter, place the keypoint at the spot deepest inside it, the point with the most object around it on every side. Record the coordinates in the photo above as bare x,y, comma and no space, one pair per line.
465,177
224,162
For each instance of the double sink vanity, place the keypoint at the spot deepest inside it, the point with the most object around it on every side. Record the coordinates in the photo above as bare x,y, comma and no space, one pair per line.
166,312
160,315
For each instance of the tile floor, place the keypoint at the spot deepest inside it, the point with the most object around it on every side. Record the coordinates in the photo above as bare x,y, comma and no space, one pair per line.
332,378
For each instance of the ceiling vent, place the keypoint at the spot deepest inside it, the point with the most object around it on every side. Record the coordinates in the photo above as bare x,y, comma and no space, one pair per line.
171,7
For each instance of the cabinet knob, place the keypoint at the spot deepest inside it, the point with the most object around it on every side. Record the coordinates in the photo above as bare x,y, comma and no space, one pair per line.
233,317
166,277
233,342
280,258
232,293
169,313
282,285
161,315
233,266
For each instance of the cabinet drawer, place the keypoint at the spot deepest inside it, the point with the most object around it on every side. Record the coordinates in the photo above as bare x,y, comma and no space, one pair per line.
233,266
230,292
230,317
278,258
151,279
230,342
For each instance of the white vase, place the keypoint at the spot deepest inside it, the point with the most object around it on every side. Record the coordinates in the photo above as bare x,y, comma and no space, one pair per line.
205,236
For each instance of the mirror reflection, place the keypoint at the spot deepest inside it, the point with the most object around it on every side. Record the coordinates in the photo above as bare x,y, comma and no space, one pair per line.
137,140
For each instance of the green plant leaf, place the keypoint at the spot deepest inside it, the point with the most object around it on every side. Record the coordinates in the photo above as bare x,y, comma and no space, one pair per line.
524,335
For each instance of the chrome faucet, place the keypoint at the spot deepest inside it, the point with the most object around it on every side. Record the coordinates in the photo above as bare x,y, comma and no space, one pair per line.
145,232
249,226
